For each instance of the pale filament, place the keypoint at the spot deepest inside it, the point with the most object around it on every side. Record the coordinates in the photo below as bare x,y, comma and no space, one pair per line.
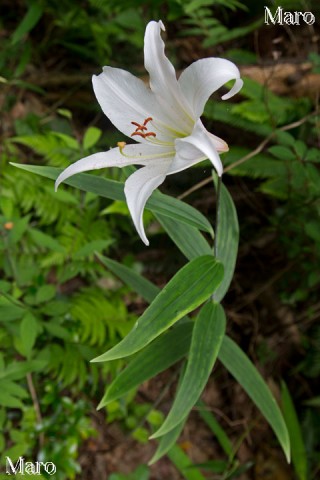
142,131
122,145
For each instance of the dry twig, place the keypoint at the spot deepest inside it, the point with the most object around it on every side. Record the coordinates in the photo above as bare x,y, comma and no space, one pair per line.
255,152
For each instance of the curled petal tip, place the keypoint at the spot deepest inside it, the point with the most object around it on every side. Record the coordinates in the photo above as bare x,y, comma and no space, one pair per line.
93,78
56,184
141,232
224,148
234,90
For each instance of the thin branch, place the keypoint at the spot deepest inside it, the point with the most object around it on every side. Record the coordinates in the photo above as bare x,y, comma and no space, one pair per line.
36,406
256,151
262,288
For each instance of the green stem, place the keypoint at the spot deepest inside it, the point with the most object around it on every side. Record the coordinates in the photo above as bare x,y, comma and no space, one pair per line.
218,191
216,227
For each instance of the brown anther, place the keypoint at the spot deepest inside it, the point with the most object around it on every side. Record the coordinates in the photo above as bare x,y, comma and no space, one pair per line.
143,135
139,127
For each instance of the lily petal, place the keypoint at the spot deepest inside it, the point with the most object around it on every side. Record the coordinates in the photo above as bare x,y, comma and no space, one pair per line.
124,98
198,146
138,188
163,80
205,76
135,154
164,119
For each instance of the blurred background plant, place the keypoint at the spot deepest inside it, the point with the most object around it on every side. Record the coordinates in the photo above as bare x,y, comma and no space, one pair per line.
60,307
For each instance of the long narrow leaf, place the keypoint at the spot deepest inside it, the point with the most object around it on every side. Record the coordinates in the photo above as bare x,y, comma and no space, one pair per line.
187,238
158,202
216,428
227,240
186,291
299,455
138,283
243,370
165,351
28,22
173,208
234,363
183,464
206,340
167,441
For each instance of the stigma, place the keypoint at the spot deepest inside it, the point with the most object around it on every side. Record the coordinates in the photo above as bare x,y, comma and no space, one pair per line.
121,146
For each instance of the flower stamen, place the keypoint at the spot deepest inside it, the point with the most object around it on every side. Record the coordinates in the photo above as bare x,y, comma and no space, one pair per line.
149,119
140,129
143,135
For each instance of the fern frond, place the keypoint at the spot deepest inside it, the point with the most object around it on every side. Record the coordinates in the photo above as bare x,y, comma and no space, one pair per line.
101,319
69,363
54,146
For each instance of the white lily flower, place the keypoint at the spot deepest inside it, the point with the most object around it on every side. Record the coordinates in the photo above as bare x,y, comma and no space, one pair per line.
164,119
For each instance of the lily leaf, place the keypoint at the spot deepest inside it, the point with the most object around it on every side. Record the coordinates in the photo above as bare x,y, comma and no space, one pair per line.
146,289
183,464
167,441
238,364
186,291
207,336
158,202
227,232
243,370
187,238
216,428
159,355
299,454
